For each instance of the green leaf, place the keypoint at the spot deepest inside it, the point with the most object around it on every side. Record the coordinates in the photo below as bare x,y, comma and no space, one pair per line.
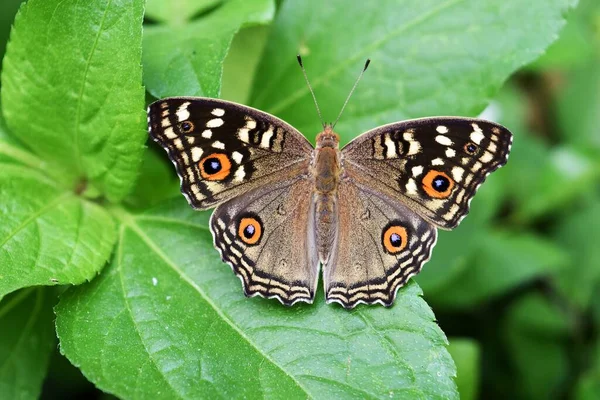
428,57
26,342
579,234
156,183
536,334
8,10
177,11
187,59
241,63
466,354
48,236
504,261
71,89
181,327
573,47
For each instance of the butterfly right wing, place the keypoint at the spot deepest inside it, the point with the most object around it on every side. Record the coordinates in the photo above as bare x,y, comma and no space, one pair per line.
222,149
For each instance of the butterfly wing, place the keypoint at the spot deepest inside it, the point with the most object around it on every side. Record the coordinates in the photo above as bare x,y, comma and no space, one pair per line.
432,165
261,235
381,243
222,149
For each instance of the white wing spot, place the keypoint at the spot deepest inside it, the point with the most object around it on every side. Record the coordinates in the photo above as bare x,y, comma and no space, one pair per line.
169,133
390,147
240,174
207,133
442,129
414,146
457,173
243,135
182,112
411,186
445,140
196,154
218,112
437,161
237,157
266,138
418,170
487,157
214,123
218,145
450,153
477,134
250,123
165,122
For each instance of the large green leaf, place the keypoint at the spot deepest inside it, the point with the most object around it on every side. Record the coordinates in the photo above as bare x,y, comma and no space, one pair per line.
26,342
71,89
187,59
170,321
48,236
428,57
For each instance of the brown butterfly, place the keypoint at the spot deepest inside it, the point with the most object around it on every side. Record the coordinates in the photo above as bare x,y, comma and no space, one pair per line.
367,213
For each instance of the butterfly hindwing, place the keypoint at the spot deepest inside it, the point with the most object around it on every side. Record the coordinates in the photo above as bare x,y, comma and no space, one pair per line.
264,237
381,243
433,165
222,149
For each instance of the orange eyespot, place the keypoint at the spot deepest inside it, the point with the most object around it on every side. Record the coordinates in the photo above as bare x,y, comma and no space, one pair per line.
437,184
215,167
471,148
394,238
186,126
250,230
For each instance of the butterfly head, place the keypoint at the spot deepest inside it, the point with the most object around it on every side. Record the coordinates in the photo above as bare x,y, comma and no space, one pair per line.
328,138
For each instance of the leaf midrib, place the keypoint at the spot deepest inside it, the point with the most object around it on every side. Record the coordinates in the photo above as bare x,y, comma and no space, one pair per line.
130,222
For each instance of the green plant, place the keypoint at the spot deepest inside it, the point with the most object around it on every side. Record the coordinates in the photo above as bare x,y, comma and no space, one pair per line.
146,309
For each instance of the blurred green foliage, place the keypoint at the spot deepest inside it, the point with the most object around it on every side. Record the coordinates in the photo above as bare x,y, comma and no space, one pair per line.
516,288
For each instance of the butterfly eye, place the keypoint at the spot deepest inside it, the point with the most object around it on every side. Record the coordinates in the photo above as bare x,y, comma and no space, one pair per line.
250,230
186,126
471,148
394,238
215,167
437,184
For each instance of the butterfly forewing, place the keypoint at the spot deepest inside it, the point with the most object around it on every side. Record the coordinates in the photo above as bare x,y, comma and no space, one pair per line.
434,165
222,149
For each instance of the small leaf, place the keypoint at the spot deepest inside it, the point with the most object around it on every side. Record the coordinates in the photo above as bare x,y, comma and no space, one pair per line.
187,60
578,234
504,261
71,89
535,332
181,327
48,236
26,342
466,355
428,57
177,11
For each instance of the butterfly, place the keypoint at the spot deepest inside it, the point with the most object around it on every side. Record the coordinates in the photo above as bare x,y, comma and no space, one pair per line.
367,213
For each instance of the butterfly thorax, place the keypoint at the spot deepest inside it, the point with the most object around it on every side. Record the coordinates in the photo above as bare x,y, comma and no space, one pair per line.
326,167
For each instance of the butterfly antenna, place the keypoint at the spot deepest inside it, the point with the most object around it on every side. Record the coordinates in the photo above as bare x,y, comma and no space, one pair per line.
311,89
352,91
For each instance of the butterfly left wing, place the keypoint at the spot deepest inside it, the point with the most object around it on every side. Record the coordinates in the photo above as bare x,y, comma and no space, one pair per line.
433,165
267,239
381,243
